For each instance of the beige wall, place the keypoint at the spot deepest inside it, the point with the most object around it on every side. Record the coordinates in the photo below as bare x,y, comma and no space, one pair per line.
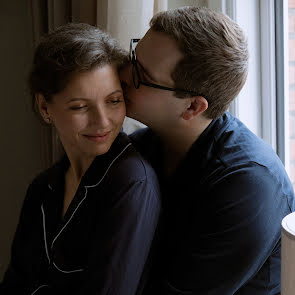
177,3
19,131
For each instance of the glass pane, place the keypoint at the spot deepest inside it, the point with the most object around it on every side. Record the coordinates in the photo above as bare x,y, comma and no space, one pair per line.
291,21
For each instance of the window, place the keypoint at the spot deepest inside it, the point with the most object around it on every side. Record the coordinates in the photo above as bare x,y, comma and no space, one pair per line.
285,57
291,86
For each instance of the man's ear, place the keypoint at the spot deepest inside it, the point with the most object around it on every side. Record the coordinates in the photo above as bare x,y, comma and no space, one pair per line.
43,107
196,106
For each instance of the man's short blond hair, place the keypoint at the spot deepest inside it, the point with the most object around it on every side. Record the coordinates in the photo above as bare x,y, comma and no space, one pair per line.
215,52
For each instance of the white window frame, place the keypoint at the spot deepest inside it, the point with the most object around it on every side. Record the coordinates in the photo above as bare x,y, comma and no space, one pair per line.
282,59
268,72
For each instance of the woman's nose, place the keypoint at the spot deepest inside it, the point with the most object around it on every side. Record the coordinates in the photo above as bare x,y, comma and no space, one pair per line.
100,117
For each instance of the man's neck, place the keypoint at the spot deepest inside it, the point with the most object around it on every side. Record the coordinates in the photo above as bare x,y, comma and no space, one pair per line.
176,145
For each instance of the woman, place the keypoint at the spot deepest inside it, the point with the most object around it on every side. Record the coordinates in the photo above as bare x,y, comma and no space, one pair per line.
87,223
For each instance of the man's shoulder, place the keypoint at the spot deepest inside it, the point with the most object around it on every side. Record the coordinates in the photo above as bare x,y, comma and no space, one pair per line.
147,143
237,144
232,149
141,136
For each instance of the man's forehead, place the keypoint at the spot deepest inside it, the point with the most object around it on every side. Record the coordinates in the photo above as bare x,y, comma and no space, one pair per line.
158,39
157,46
158,54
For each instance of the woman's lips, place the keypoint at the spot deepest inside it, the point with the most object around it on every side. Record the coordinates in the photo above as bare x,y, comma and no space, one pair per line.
98,137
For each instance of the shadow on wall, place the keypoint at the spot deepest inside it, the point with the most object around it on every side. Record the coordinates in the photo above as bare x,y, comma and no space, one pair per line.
20,131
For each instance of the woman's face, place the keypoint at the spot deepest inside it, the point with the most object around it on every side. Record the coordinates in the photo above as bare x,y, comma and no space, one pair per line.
88,114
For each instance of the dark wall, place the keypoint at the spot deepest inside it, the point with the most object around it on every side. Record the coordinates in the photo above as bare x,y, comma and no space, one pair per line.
20,132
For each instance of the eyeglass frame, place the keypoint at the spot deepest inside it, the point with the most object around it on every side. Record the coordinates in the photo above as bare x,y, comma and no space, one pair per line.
135,70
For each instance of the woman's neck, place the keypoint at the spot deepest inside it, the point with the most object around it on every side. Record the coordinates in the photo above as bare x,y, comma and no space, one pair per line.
78,167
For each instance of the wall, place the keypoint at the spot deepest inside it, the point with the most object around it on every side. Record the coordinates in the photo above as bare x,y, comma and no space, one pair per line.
20,132
177,3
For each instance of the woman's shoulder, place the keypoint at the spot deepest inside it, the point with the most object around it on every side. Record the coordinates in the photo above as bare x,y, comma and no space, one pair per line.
132,164
47,178
123,172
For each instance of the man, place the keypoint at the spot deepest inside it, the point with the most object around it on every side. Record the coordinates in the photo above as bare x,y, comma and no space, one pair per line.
225,191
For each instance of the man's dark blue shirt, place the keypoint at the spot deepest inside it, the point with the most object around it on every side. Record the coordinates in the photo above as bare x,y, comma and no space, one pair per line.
220,230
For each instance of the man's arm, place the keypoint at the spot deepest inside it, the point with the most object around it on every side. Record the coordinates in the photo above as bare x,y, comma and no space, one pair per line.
239,232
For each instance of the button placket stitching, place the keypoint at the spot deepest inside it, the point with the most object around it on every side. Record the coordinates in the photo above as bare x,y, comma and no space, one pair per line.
86,191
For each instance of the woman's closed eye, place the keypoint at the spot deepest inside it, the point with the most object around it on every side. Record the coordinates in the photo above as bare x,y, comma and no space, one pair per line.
116,100
78,107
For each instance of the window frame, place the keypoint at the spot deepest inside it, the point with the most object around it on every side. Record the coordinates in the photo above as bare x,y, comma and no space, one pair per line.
282,81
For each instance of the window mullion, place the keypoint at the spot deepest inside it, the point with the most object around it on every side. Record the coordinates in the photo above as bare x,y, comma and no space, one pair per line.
282,87
268,72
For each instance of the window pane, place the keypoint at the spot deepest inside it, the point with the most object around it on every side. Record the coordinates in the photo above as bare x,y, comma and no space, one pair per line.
291,20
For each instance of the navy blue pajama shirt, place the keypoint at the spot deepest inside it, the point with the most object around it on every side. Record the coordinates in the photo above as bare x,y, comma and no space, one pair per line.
102,243
220,227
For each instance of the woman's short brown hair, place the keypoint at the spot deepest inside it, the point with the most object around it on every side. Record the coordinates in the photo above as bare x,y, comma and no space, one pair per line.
215,52
71,48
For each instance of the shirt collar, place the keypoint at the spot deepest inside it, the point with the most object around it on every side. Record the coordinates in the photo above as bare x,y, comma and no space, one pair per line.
212,133
96,170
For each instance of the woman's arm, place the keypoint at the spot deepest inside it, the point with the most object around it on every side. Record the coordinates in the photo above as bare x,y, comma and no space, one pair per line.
118,255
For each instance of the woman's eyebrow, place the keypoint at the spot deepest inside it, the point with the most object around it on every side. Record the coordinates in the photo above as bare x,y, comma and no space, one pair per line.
86,99
76,98
114,92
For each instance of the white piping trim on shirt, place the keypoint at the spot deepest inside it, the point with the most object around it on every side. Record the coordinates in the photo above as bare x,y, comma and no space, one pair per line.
44,233
110,166
39,289
68,220
67,271
80,204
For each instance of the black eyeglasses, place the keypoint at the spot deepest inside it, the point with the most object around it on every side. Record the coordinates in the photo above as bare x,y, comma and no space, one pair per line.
137,81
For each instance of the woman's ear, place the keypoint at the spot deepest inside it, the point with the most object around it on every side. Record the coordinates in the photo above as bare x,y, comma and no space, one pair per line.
196,106
43,107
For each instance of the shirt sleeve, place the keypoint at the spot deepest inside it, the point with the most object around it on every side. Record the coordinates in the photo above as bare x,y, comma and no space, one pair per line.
240,230
119,253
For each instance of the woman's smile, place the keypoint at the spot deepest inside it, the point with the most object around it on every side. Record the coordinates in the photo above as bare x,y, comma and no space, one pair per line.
101,137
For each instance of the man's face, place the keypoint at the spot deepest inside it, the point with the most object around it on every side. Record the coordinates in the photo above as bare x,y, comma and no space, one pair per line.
157,55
